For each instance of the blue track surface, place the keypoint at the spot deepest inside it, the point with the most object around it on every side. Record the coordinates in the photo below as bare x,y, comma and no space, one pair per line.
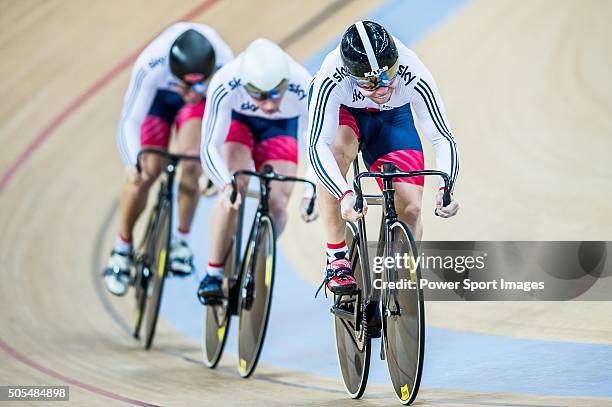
454,360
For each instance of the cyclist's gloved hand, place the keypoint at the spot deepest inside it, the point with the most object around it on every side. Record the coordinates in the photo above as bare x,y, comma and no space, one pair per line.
304,210
447,211
225,198
347,203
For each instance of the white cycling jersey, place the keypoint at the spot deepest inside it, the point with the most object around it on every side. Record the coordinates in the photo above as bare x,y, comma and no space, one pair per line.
151,72
332,88
226,94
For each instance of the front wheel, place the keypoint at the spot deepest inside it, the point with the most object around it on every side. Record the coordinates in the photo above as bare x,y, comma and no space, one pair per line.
403,316
256,295
353,345
143,272
159,269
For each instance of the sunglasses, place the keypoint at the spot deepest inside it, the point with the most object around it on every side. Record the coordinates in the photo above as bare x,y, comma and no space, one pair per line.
383,79
273,94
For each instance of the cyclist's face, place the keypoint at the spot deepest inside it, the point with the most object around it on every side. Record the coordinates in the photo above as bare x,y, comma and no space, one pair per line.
267,101
268,106
189,94
381,94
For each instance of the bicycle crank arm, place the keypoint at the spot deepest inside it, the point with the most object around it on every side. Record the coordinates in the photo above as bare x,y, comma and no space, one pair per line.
340,313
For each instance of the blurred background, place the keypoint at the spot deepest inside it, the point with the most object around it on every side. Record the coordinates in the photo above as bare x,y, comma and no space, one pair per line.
527,90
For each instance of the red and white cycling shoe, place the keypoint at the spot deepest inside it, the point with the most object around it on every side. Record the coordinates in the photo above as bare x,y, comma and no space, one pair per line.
339,277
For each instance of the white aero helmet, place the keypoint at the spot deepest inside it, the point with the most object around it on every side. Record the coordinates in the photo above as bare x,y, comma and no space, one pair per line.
264,65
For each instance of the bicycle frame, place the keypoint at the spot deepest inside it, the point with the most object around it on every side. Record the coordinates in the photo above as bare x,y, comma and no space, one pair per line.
374,311
166,190
369,293
263,209
165,202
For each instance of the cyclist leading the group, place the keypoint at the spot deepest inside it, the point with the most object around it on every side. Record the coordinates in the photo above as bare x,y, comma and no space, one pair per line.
167,87
360,100
258,115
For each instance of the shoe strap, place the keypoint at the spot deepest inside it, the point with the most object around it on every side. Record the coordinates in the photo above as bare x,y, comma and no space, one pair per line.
330,273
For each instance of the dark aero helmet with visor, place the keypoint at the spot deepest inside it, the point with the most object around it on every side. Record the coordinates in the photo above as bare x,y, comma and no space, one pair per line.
369,54
192,57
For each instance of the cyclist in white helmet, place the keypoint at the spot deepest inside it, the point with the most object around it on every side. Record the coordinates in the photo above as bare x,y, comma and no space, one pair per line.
257,115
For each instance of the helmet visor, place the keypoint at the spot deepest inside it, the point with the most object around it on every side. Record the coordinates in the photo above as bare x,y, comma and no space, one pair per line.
273,94
374,81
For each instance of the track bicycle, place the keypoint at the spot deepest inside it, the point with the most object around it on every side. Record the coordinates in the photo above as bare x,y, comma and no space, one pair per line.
376,310
248,280
151,257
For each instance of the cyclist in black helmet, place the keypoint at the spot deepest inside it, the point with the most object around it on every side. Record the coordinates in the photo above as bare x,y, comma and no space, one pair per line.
361,100
167,89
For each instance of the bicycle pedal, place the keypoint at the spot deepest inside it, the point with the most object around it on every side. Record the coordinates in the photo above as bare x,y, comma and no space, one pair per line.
178,274
343,292
213,301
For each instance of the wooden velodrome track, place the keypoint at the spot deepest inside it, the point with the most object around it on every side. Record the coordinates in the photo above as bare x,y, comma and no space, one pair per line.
527,92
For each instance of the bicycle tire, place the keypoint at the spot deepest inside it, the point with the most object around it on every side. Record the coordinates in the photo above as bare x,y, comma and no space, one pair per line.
403,318
256,300
159,267
141,279
217,318
353,349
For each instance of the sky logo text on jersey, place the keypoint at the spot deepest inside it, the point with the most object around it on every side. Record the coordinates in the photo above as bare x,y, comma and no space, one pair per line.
405,74
357,96
234,83
248,106
340,74
297,89
153,63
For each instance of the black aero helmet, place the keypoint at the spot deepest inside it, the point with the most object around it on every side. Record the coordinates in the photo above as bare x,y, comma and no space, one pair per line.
191,53
367,48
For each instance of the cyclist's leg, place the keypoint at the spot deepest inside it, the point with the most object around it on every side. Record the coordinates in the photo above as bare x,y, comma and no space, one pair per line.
280,192
398,142
276,144
134,194
408,199
154,133
237,151
189,129
223,223
222,220
345,147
